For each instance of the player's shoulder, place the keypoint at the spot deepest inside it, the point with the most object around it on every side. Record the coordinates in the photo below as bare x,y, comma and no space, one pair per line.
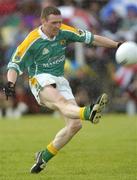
33,35
29,40
67,28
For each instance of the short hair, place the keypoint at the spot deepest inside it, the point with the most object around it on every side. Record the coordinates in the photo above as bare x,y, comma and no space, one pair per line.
49,10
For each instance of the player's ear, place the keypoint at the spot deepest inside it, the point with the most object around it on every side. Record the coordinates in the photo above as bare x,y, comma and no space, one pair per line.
43,20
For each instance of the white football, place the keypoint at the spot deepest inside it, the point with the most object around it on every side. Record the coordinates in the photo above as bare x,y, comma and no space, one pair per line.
126,54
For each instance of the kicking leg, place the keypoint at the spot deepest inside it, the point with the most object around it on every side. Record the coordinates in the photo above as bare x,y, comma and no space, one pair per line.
51,98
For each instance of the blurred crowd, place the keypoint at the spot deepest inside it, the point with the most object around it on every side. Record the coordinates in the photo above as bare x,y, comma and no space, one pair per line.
90,71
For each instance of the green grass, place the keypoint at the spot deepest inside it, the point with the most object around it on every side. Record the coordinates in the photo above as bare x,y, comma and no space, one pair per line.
107,151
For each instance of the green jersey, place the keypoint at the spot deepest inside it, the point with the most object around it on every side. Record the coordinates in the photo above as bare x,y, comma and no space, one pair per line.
39,54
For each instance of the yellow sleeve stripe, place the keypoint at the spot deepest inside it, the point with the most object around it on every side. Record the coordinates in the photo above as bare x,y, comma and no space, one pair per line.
24,46
65,27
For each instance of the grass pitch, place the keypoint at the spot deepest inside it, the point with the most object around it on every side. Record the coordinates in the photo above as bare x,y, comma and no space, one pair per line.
107,151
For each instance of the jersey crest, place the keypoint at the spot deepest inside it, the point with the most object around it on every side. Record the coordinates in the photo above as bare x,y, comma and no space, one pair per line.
63,42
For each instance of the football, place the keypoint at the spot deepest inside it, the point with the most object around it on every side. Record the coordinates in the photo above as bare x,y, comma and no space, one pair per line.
126,54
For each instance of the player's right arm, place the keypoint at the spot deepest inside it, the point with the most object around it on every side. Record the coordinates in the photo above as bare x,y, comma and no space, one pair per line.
15,68
12,76
20,60
9,88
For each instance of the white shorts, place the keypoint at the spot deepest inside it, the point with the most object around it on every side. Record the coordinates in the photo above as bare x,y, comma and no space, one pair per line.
39,81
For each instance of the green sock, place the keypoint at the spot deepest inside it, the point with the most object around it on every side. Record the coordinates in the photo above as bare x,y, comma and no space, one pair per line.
49,153
85,112
46,155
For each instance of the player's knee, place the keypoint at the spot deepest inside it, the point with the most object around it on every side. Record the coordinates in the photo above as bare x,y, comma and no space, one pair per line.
75,126
60,103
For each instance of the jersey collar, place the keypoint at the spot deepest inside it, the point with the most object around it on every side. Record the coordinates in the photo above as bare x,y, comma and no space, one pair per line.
44,36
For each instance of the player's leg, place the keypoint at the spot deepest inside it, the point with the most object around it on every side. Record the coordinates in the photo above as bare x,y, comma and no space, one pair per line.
61,139
52,98
71,128
56,98
64,136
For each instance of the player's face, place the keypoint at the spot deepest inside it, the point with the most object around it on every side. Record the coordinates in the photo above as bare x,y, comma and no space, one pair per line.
51,25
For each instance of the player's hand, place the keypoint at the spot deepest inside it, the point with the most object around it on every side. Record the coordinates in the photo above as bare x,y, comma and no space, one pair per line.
119,44
9,90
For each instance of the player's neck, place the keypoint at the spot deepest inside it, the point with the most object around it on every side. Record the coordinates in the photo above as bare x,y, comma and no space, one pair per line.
47,33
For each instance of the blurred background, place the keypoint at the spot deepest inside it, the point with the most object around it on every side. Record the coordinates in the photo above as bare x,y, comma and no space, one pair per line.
90,71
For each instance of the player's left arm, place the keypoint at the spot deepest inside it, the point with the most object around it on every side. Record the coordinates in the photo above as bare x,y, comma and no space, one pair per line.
78,35
105,42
